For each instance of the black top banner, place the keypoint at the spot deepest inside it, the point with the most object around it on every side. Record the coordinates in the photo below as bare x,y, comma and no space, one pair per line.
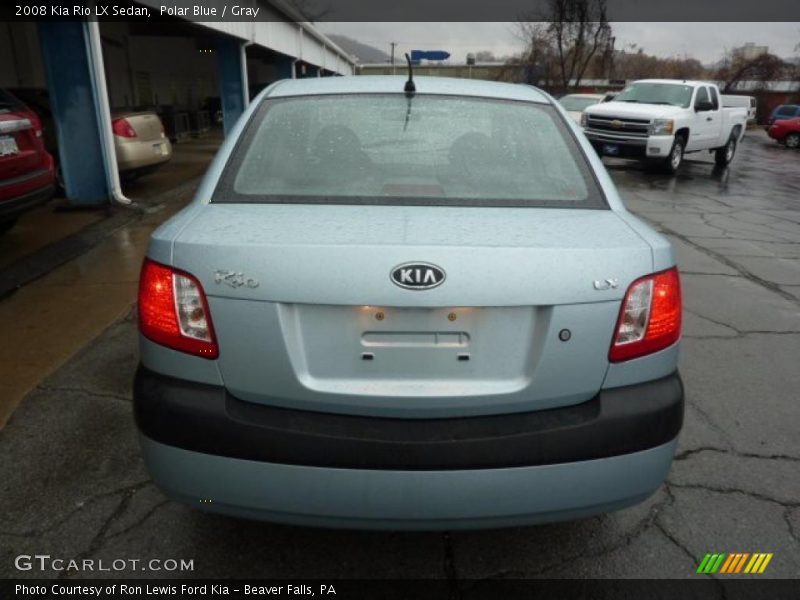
394,10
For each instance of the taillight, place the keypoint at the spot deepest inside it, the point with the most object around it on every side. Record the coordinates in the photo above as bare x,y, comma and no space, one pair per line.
36,123
122,128
173,311
650,316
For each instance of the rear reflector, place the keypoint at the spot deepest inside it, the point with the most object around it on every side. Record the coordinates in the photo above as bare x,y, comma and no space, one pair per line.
173,311
122,128
650,316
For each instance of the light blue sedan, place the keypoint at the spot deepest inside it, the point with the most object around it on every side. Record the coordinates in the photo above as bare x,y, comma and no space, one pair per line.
396,308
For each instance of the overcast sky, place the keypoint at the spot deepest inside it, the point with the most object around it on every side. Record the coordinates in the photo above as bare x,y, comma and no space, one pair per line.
704,41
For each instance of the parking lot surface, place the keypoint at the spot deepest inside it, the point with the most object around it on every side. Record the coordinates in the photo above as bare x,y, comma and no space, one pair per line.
72,483
59,295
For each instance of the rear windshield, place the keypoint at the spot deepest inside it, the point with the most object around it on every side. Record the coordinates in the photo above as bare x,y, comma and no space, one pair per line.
389,149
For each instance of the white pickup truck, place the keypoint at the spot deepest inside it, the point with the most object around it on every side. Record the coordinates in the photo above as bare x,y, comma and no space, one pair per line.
662,119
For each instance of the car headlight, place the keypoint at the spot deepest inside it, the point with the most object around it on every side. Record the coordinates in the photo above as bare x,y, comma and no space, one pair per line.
662,127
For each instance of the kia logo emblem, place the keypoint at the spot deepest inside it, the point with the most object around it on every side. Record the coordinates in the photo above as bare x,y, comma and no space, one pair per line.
417,276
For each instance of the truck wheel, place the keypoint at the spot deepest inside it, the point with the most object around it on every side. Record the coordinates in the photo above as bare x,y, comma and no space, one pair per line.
792,140
724,155
675,158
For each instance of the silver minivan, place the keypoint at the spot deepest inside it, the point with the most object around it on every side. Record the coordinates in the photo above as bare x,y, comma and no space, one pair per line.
408,307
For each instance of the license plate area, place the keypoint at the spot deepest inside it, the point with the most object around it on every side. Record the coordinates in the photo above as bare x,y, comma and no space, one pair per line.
611,149
415,339
8,145
160,149
335,348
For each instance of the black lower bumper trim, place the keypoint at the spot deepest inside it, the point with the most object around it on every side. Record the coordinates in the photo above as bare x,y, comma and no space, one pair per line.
623,150
207,419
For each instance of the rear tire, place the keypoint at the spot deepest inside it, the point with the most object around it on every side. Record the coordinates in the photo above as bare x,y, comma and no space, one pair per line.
792,140
724,155
673,162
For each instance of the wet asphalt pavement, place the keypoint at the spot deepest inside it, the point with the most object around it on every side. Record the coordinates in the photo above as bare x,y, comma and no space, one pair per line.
72,483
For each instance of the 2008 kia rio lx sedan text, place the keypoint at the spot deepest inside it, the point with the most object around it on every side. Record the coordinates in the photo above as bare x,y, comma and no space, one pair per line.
408,310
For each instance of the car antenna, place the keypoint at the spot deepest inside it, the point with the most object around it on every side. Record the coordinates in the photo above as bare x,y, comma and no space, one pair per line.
409,88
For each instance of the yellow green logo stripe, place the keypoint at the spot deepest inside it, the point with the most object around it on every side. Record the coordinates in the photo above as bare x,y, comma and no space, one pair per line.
734,562
711,563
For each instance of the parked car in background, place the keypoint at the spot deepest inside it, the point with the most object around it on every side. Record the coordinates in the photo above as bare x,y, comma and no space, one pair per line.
575,104
783,112
408,309
609,96
27,174
747,102
39,101
141,144
139,138
786,131
662,119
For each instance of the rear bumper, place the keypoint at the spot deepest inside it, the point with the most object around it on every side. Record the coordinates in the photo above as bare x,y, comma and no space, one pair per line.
777,133
13,207
216,453
412,500
140,155
205,418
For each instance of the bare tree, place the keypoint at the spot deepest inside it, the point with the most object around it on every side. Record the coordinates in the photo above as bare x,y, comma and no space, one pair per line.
539,58
574,32
684,68
762,68
485,56
639,64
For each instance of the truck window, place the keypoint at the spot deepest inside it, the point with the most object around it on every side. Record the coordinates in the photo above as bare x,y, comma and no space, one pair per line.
714,98
702,95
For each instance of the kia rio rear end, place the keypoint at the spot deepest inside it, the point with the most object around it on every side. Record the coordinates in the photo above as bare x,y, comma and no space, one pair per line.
397,310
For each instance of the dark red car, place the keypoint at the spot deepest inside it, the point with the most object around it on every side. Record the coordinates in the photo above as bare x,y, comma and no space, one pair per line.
786,132
27,174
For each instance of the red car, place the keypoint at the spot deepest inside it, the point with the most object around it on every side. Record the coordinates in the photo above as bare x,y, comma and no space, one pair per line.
786,132
27,173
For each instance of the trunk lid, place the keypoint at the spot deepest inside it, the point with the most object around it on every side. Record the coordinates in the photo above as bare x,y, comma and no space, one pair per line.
344,254
306,313
147,125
